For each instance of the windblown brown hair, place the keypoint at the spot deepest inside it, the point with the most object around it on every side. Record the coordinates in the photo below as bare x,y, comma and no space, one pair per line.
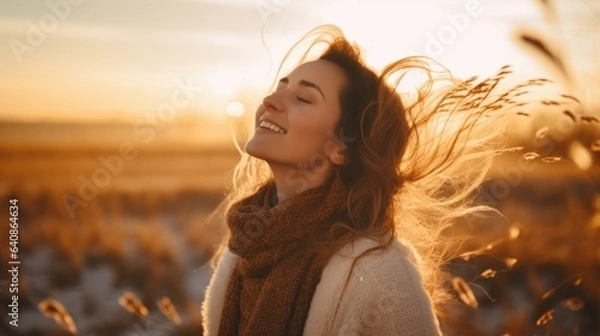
414,159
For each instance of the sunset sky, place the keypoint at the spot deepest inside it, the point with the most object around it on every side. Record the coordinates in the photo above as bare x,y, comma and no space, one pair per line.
118,59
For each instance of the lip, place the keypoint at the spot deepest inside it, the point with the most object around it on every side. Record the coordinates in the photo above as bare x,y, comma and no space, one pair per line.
265,130
272,122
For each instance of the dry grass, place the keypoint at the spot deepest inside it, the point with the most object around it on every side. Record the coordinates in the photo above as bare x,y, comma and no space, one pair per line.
153,245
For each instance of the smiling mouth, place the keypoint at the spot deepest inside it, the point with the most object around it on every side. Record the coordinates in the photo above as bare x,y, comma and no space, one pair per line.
271,127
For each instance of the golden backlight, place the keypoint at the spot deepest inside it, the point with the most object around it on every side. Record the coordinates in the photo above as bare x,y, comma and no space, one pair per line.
117,120
105,68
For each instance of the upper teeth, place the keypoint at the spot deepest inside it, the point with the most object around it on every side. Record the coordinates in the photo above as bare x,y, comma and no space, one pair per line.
272,127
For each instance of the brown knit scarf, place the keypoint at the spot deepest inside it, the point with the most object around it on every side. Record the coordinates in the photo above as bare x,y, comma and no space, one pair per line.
272,286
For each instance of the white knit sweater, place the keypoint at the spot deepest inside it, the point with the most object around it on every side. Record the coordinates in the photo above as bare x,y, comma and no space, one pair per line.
384,294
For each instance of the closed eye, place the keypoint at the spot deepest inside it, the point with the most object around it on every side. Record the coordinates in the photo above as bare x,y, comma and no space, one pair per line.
303,100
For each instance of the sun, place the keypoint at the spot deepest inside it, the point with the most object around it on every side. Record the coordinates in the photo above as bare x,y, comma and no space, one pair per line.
235,109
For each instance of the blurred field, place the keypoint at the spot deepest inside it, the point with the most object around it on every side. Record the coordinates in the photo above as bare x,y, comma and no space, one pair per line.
141,232
143,235
112,232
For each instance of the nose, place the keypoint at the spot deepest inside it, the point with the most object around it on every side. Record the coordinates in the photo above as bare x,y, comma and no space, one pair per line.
272,104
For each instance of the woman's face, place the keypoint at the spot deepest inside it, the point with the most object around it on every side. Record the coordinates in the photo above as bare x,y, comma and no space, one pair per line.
295,125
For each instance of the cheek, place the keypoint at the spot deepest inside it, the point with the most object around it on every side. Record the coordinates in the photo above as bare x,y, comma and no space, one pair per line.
313,133
259,112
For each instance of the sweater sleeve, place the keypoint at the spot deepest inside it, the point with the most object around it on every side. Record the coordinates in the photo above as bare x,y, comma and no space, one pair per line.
385,296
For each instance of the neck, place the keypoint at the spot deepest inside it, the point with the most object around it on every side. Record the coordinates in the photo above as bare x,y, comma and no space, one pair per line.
291,181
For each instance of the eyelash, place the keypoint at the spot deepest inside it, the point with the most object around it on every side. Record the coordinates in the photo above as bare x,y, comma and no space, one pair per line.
303,100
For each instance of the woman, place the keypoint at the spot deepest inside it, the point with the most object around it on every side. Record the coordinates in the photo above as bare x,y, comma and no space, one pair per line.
340,175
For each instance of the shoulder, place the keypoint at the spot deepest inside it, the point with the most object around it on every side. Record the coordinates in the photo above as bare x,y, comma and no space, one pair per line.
397,263
377,291
391,270
389,278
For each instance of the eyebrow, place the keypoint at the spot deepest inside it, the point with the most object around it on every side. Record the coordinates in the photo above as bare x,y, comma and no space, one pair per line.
306,83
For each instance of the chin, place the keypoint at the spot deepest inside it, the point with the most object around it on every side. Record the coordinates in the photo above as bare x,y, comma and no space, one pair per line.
263,154
254,150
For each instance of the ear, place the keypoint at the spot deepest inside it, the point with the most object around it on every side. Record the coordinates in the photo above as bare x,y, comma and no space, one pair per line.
335,149
338,154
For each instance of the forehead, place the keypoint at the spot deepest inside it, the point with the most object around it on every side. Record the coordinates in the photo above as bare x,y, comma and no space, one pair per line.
329,76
